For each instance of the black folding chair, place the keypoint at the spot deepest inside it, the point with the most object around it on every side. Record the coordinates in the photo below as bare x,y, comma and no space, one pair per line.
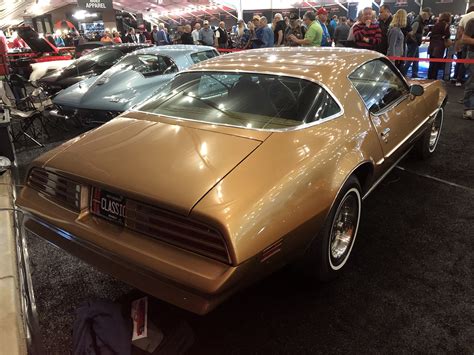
25,110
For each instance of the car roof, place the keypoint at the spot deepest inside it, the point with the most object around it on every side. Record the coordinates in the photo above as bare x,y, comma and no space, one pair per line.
173,50
95,43
324,65
129,47
125,48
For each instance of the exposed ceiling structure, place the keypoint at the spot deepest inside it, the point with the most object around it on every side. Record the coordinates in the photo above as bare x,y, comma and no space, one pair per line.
13,11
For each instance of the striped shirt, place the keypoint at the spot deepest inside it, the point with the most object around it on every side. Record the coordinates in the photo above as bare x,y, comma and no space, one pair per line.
373,33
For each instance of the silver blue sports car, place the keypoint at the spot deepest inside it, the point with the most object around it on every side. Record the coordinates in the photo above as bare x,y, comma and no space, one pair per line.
132,80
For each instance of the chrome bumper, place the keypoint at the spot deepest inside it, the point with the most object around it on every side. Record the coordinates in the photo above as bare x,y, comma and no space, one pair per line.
113,265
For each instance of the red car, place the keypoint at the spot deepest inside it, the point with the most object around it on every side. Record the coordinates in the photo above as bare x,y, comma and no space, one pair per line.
42,50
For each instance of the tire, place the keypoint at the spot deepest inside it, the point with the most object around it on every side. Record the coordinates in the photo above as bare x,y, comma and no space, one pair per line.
327,255
426,145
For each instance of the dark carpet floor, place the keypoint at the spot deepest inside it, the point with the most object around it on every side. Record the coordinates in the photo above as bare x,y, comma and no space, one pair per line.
409,287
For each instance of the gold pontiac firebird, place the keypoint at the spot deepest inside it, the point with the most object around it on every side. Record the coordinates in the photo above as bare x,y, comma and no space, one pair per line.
242,164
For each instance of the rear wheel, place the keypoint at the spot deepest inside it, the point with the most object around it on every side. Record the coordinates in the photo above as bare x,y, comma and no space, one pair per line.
330,250
428,142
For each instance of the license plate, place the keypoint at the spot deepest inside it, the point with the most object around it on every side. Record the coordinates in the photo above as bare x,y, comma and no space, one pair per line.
108,205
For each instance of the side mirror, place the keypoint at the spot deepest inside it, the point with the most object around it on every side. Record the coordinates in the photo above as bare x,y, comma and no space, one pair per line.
5,164
416,90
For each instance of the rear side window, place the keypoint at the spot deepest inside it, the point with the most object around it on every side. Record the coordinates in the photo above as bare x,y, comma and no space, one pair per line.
378,84
200,56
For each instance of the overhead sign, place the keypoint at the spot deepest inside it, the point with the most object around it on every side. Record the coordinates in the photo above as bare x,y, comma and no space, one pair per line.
28,20
97,5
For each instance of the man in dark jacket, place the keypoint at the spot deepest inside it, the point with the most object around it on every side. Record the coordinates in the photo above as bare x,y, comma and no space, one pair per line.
160,37
341,32
221,35
145,34
468,39
186,37
132,37
385,18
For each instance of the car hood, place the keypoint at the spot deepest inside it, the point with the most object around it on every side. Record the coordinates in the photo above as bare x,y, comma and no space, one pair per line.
40,69
168,165
110,92
71,71
56,81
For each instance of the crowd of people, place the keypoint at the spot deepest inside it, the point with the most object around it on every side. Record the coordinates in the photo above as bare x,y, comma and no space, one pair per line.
396,35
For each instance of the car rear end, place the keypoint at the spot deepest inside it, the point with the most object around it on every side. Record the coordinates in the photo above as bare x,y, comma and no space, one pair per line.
115,219
178,259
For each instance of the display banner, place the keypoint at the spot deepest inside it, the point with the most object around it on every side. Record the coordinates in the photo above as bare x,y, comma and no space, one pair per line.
97,5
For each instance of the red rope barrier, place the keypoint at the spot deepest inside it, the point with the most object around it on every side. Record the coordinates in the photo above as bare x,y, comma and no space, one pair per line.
434,60
229,50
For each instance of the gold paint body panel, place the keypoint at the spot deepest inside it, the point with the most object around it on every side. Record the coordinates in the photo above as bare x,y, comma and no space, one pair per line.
257,187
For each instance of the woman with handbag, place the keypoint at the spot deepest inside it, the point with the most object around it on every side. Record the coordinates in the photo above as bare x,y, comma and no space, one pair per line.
439,41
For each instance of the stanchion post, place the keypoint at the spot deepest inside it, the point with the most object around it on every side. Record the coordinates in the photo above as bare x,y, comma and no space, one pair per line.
447,68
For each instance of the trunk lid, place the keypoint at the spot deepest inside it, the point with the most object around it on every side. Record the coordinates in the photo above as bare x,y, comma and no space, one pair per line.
168,165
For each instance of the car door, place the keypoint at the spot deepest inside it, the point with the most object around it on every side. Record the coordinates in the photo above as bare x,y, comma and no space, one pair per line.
395,113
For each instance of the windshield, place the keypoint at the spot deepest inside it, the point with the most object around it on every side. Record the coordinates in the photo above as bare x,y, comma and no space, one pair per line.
243,99
102,57
146,64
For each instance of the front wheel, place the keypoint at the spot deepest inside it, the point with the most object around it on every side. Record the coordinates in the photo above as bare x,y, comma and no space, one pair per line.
428,142
330,250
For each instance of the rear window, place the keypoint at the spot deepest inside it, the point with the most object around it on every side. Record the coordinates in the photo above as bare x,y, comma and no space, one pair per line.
204,55
244,99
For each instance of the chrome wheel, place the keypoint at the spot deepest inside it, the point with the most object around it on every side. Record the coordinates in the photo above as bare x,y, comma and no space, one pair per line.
435,131
344,229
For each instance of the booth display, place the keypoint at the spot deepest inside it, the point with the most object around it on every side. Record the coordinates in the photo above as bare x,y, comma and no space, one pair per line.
42,50
240,165
132,80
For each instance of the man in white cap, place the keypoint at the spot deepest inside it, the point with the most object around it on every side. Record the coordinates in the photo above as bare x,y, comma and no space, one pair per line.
207,35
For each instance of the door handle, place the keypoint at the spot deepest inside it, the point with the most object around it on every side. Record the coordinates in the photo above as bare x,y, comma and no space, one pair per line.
385,133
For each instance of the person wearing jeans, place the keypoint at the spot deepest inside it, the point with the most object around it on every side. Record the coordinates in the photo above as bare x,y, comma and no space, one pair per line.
439,41
414,40
460,70
468,39
413,51
460,48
